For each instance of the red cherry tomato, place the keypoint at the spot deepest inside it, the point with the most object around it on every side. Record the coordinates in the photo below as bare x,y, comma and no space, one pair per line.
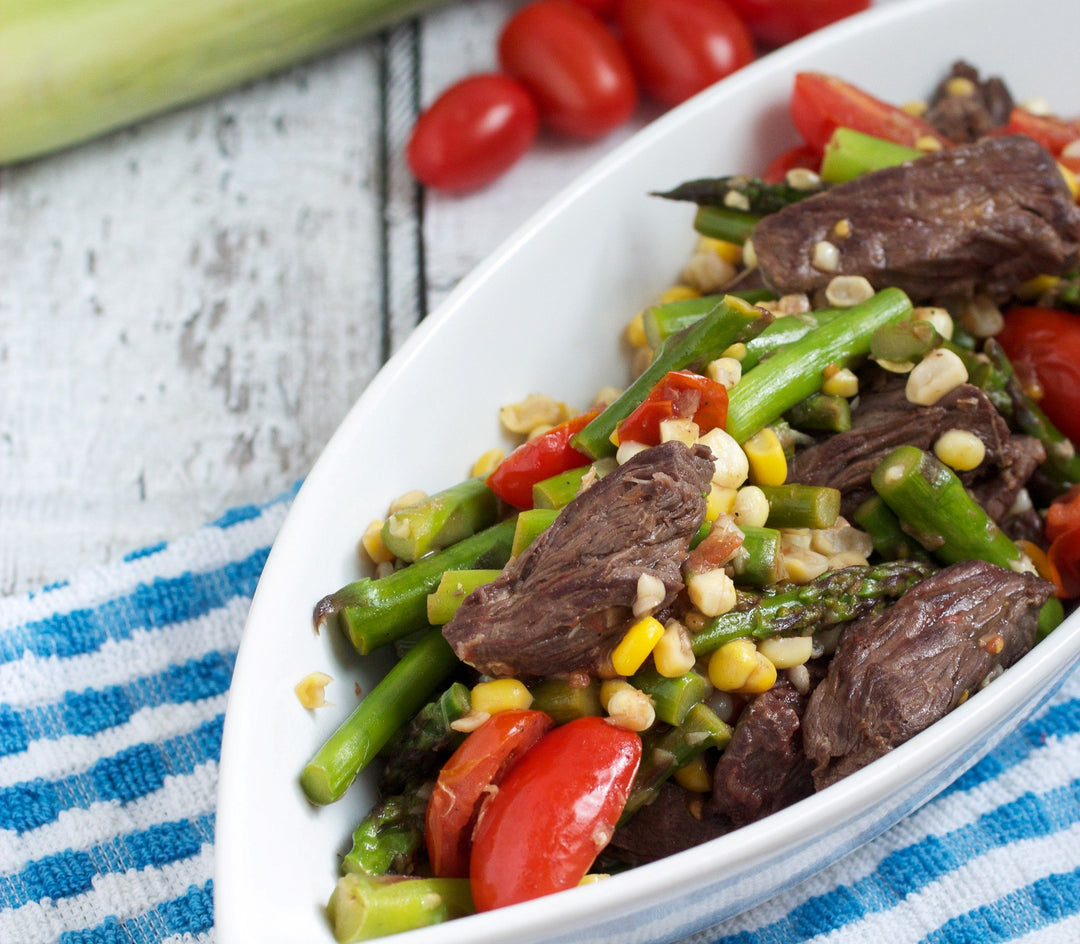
801,155
775,22
1064,557
679,394
679,47
1051,132
572,64
553,813
481,762
1046,342
472,133
1063,514
540,458
602,8
821,103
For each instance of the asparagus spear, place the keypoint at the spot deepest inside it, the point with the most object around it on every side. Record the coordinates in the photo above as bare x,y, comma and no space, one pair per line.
757,561
801,506
721,222
821,411
454,586
564,702
668,318
730,321
559,490
416,751
362,908
440,520
530,525
374,612
891,541
672,697
756,196
792,374
388,706
850,154
666,752
936,509
390,836
837,596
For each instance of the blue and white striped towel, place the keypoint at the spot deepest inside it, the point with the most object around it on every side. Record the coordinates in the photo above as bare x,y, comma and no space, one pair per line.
112,698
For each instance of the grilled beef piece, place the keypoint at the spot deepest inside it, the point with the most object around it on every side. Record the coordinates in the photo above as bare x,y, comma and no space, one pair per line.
764,768
885,419
980,217
898,671
674,821
564,602
967,111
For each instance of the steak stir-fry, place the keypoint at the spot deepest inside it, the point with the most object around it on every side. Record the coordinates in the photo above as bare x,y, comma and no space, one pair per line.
829,510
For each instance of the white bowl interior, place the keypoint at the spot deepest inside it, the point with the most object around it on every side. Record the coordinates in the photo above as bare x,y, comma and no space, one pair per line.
545,315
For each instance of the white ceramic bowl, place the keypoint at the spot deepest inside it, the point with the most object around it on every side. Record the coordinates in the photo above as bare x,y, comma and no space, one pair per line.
545,314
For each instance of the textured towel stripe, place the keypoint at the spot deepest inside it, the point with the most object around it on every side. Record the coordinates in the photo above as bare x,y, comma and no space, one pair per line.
191,913
180,797
211,547
1044,902
125,776
97,709
72,872
1066,931
52,760
33,680
159,603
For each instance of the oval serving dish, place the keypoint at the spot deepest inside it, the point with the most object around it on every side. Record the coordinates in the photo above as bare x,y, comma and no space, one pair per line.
545,314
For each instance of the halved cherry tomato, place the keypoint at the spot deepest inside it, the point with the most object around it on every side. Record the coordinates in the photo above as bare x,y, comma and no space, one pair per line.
775,22
480,763
1052,132
553,813
801,155
540,458
822,103
1045,342
679,47
572,64
679,394
1064,555
1063,514
472,133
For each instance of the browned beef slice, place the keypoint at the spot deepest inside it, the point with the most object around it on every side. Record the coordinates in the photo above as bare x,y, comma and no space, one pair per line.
898,671
978,109
886,419
558,607
668,825
764,768
977,217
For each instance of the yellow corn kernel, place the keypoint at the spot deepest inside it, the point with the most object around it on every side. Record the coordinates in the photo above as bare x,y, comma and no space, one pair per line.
673,655
915,107
738,667
786,652
934,376
751,508
801,565
726,250
843,383
765,455
535,410
960,449
635,331
721,501
695,776
311,689
726,371
678,293
593,877
488,462
373,546
1070,181
507,694
405,500
736,351
712,592
1038,286
927,143
634,648
629,708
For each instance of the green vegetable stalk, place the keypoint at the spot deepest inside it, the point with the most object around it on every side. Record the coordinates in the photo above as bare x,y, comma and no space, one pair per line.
415,753
362,908
440,520
72,71
388,706
390,838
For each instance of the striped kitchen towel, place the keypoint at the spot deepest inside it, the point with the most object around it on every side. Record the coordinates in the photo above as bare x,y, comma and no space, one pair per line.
112,698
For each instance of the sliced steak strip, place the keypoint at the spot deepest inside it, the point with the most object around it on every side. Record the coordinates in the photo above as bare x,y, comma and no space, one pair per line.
764,768
980,217
562,604
897,672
